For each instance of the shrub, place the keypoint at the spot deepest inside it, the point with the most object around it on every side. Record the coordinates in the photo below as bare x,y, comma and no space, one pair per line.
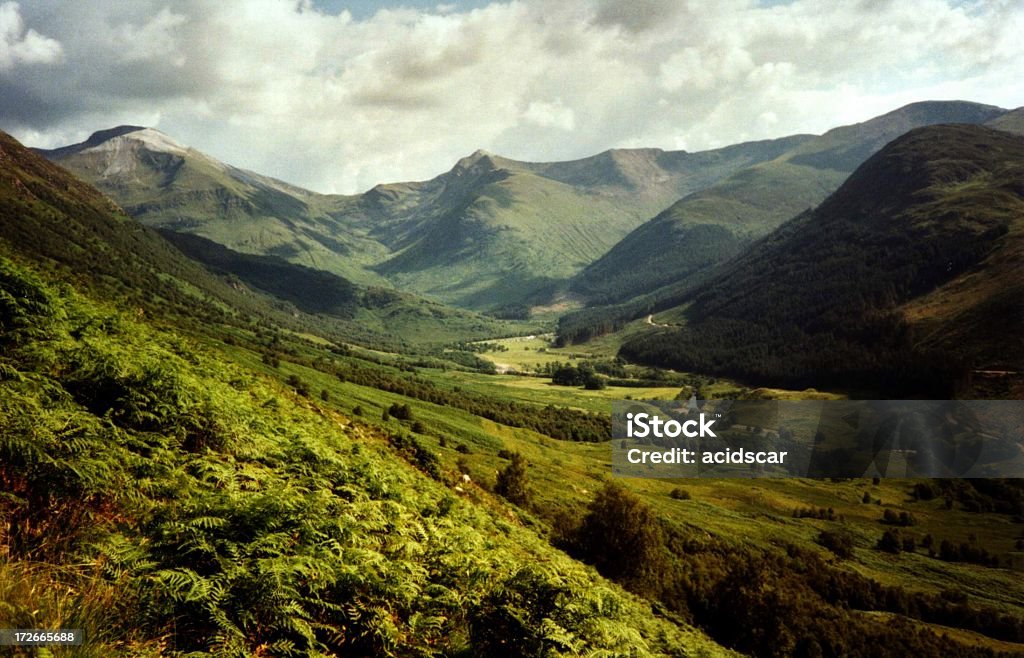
902,519
820,513
622,537
891,542
839,541
512,482
680,494
400,411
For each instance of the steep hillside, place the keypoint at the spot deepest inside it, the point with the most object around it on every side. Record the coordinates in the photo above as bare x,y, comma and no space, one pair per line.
166,500
904,280
715,223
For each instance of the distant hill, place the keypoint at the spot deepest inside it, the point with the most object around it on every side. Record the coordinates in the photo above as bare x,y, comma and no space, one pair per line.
904,280
489,233
1012,121
717,222
48,216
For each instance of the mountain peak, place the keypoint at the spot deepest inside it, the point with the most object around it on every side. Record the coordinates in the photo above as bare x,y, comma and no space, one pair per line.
479,157
101,136
116,139
151,138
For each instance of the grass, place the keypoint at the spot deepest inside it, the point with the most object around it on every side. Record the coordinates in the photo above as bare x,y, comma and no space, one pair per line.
756,514
52,597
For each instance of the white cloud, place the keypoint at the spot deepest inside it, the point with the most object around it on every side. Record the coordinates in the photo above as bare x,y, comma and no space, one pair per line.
155,39
339,104
18,46
550,115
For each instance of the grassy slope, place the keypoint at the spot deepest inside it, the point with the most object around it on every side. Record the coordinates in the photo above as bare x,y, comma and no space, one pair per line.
243,519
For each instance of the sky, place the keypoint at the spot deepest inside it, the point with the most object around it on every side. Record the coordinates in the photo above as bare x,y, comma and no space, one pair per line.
339,95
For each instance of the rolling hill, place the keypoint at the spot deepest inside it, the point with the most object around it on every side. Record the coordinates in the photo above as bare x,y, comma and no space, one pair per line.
709,226
904,280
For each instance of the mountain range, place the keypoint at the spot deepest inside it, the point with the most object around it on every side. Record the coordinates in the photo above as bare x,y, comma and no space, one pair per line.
489,233
49,216
497,234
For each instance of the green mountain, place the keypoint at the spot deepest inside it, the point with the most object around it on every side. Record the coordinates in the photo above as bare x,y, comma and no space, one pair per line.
48,214
494,231
163,183
906,280
490,233
711,225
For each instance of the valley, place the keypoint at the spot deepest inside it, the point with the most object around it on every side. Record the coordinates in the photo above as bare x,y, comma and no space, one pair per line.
238,417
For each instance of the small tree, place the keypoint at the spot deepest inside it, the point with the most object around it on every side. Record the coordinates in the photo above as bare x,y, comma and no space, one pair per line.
512,481
623,538
891,542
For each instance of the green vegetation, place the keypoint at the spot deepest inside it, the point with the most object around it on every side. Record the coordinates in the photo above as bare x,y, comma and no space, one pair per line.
220,513
835,297
204,471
